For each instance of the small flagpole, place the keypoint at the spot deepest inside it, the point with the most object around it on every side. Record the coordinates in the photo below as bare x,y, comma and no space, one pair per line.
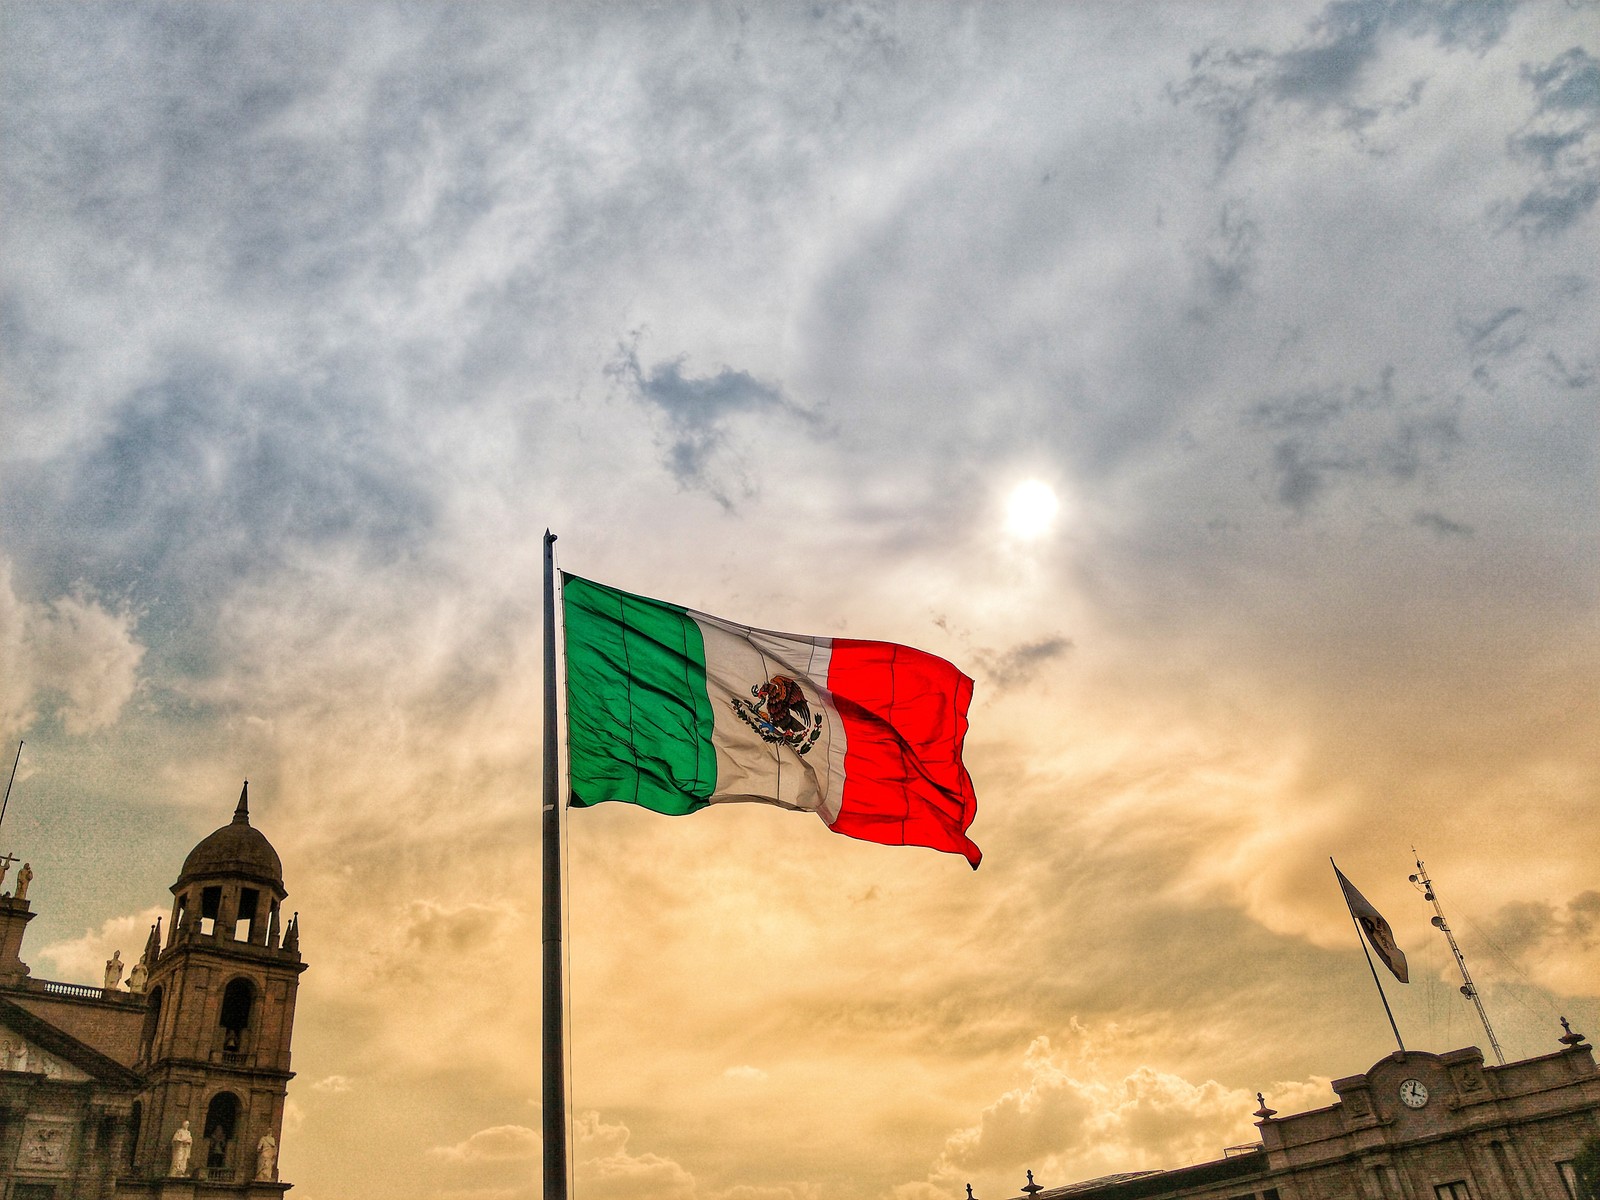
1376,982
7,802
555,1075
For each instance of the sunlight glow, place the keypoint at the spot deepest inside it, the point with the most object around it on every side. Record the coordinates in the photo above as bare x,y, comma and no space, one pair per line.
1031,509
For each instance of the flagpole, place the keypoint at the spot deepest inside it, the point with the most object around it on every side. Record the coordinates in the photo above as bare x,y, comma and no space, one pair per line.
7,803
555,1076
1376,982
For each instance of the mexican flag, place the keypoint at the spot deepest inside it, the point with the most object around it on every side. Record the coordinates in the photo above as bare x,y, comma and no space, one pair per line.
674,710
1379,935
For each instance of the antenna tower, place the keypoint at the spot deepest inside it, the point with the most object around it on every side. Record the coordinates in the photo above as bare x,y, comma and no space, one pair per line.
1468,989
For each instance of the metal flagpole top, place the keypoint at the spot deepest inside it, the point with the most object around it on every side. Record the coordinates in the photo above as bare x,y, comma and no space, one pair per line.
6,802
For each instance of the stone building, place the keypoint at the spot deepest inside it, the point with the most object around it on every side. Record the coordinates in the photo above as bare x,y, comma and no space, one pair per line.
168,1085
1414,1127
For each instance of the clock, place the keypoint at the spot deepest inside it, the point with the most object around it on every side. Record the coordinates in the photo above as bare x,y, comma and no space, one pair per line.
1413,1094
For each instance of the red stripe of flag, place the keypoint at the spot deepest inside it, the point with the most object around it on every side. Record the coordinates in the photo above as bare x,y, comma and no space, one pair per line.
905,719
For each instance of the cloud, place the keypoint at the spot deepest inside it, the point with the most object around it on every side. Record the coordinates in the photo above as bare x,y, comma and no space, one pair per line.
607,1170
745,1074
83,959
1554,946
602,1164
200,476
1441,524
1498,333
1577,377
1327,66
1528,345
71,657
699,413
1327,435
1327,69
1071,1124
1562,141
1230,252
502,1143
332,1083
307,335
434,928
1022,662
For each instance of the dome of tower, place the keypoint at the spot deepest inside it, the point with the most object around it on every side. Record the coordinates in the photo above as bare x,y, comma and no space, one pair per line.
237,849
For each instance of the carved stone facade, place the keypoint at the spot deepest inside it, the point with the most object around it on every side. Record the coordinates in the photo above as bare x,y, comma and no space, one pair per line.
95,1082
1415,1127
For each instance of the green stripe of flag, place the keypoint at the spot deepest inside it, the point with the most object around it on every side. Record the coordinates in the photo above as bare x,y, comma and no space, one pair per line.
638,715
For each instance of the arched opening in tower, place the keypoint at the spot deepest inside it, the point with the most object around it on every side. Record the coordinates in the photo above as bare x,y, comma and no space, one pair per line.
210,905
222,1120
244,924
238,1001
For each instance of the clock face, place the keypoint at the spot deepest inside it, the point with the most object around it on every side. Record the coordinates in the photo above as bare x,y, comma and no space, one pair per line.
1413,1094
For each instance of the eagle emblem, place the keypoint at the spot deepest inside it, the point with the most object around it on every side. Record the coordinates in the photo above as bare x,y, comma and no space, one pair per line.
779,712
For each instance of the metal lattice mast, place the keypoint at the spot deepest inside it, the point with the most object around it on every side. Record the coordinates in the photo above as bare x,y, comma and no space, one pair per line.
1468,989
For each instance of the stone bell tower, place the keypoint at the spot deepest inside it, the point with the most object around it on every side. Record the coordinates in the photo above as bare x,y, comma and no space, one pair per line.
214,1049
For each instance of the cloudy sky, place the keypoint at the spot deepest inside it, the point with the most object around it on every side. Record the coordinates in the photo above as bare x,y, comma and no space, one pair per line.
314,317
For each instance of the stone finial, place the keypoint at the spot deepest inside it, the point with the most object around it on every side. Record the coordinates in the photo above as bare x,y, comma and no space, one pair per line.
1032,1187
241,812
1570,1038
970,1196
1264,1113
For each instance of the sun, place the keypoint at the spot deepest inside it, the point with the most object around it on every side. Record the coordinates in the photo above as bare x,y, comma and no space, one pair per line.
1031,509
